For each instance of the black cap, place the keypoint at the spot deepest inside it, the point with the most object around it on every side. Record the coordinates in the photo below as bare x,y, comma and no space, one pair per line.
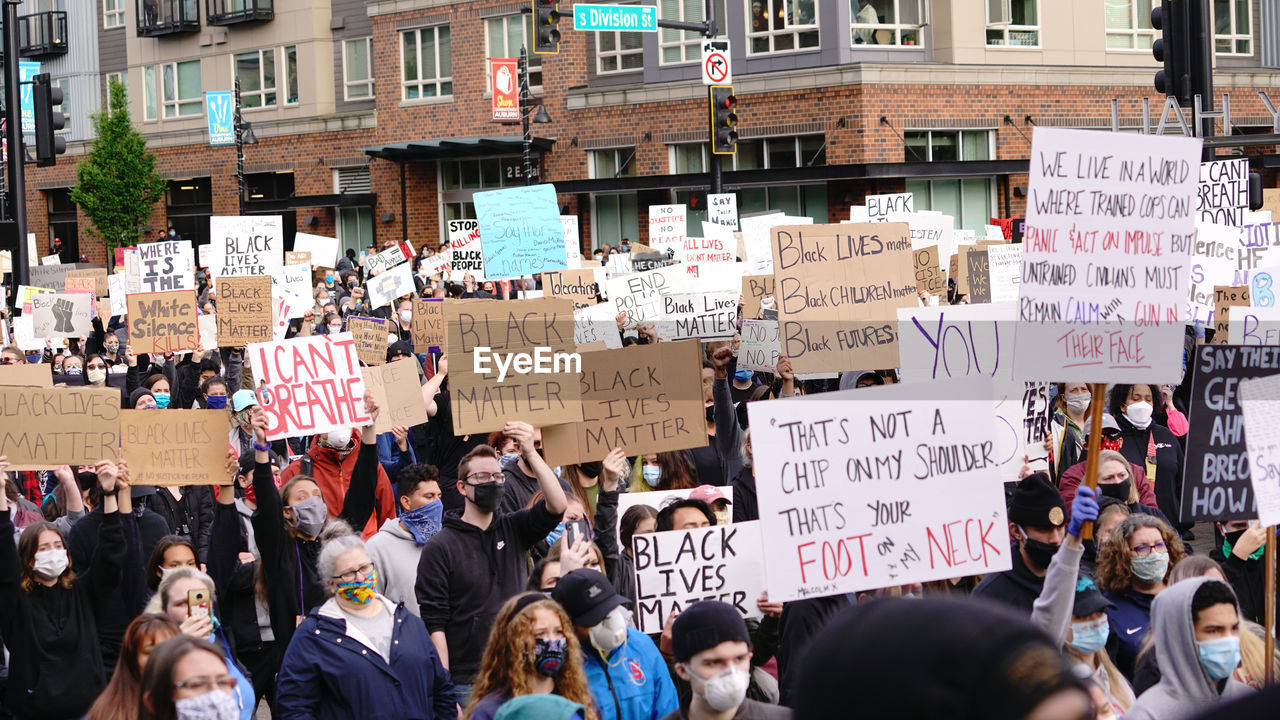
587,596
249,459
397,349
1089,599
1037,503
704,625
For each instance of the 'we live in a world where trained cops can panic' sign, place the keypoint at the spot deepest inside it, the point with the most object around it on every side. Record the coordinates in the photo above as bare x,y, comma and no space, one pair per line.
1110,222
899,487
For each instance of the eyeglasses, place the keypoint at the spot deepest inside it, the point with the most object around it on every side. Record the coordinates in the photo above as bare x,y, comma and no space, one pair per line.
496,477
1144,550
206,684
364,571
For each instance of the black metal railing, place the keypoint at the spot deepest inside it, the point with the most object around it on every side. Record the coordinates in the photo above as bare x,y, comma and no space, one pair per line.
167,17
42,34
229,12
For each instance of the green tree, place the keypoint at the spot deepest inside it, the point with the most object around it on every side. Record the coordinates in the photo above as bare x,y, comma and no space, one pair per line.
117,181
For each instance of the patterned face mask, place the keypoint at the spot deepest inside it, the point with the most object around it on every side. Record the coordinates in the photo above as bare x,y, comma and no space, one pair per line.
360,592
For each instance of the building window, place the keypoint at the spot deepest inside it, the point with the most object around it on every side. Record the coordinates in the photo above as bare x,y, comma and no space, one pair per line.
269,185
188,205
503,38
968,200
121,78
615,217
1129,24
482,174
619,52
1013,23
355,228
256,72
947,145
182,94
357,69
886,22
684,46
112,13
1232,29
781,26
426,70
758,154
290,74
612,163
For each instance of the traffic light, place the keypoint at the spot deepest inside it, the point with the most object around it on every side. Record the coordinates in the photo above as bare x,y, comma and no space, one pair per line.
724,120
546,27
1171,49
1256,198
44,97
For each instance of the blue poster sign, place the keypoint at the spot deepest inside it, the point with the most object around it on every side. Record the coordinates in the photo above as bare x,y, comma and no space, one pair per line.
222,117
26,71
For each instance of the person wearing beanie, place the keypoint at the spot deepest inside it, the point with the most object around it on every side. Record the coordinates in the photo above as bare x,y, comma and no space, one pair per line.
1037,525
712,649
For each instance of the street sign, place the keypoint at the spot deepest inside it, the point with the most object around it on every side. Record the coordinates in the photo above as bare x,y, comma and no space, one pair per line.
715,62
26,71
220,109
505,89
623,18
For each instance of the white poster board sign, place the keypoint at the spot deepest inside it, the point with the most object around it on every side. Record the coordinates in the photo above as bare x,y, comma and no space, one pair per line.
1254,326
722,209
572,240
385,288
881,207
667,226
464,241
760,346
166,265
596,323
639,295
249,245
324,250
705,315
677,568
1224,191
1260,405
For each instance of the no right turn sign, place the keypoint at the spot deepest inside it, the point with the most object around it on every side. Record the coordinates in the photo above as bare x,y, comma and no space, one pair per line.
715,62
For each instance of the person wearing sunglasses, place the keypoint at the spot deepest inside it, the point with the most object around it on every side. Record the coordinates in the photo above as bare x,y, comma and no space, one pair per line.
1133,568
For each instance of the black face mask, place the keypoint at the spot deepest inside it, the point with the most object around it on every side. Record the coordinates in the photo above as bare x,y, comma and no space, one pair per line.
591,469
487,496
1039,553
1119,491
1233,537
711,413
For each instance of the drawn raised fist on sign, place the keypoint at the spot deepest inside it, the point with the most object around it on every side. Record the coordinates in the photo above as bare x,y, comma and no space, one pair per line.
62,310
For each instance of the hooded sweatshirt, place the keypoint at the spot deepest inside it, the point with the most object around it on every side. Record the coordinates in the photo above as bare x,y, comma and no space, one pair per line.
395,553
1185,689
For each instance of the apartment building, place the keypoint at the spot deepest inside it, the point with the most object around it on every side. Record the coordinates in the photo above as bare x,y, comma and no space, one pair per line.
373,118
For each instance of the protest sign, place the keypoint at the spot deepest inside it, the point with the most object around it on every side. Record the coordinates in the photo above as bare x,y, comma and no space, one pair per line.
309,385
1217,258
51,277
398,393
118,295
207,326
580,286
878,487
1226,297
292,257
99,277
643,399
375,265
84,285
978,275
1004,267
323,250
244,311
706,315
468,257
757,240
668,225
659,499
757,291
163,322
722,209
929,229
717,244
880,207
295,280
522,231
437,264
837,289
719,277
1224,191
1254,326
572,241
250,245
1110,222
166,265
678,568
61,315
928,274
51,260
1216,477
48,427
428,326
596,324
178,447
640,295
130,266
27,374
385,288
370,336
1260,406
204,255
760,346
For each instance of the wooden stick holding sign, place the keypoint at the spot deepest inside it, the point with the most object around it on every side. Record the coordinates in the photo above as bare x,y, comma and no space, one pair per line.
1099,393
1269,562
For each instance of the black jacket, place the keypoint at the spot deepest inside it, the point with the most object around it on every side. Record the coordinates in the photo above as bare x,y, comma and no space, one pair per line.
1248,578
1017,587
448,450
235,580
1168,479
191,517
798,627
465,574
746,507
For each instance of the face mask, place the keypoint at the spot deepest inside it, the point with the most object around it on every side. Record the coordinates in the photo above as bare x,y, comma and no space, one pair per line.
113,348
335,328
216,402
549,655
338,439
74,370
1078,403
328,279
406,316
97,376
243,419
555,534
360,592
50,564
742,375
723,517
652,475
1119,491
611,633
162,400
1229,541
33,358
172,233
510,458
1139,414
216,704
309,516
423,522
711,413
1220,657
1112,443
1150,567
487,496
1040,553
1089,637
722,692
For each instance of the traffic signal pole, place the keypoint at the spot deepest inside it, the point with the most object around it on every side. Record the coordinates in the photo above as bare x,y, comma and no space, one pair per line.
13,136
708,30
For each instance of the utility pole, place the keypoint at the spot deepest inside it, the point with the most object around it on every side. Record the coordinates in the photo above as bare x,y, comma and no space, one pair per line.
524,115
13,135
239,149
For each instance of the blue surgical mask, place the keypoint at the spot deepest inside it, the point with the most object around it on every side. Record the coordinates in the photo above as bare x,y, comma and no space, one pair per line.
328,279
423,522
1220,657
742,375
216,402
1088,637
510,458
652,475
162,400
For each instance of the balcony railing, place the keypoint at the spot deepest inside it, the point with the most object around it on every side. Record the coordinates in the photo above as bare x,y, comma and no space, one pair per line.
42,34
167,17
230,12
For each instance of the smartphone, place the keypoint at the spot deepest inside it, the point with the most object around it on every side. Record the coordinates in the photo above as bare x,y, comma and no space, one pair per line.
574,530
198,602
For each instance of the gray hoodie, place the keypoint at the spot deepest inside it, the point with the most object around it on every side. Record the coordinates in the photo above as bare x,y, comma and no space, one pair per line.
1185,689
395,553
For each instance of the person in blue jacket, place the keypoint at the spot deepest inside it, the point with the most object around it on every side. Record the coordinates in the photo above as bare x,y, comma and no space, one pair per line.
359,654
628,676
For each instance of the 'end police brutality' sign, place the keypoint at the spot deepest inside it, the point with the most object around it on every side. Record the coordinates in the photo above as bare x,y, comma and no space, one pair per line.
632,18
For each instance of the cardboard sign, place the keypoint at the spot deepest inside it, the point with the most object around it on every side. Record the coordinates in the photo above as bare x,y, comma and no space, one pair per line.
1225,298
166,265
1224,191
512,359
1216,477
880,207
251,245
244,311
582,287
757,292
667,226
371,339
891,485
292,257
428,326
468,255
309,385
722,209
640,295
163,322
48,427
1004,266
398,393
28,375
62,315
678,568
978,275
838,287
99,276
375,265
643,399
1260,403
706,315
1123,203
175,447
760,346
384,289
928,273
322,250
1254,326
522,231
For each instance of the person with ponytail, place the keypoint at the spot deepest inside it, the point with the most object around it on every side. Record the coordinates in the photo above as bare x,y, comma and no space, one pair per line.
120,700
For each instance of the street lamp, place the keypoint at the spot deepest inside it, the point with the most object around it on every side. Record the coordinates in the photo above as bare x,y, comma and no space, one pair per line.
244,136
540,117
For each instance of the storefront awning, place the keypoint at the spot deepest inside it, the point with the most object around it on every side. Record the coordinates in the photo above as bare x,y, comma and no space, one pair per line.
446,148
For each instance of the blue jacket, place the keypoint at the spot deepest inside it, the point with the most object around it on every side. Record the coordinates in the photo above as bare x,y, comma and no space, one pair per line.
1130,620
634,684
328,672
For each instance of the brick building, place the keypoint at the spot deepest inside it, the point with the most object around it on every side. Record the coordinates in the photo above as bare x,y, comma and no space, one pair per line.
372,118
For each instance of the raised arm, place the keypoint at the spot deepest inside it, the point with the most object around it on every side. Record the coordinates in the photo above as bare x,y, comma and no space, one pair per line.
432,386
361,497
552,491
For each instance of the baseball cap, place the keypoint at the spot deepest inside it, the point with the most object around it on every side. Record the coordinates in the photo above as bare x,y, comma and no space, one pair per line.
587,595
243,399
1089,599
708,494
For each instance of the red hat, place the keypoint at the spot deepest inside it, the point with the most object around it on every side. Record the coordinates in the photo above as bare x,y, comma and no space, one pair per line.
708,494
